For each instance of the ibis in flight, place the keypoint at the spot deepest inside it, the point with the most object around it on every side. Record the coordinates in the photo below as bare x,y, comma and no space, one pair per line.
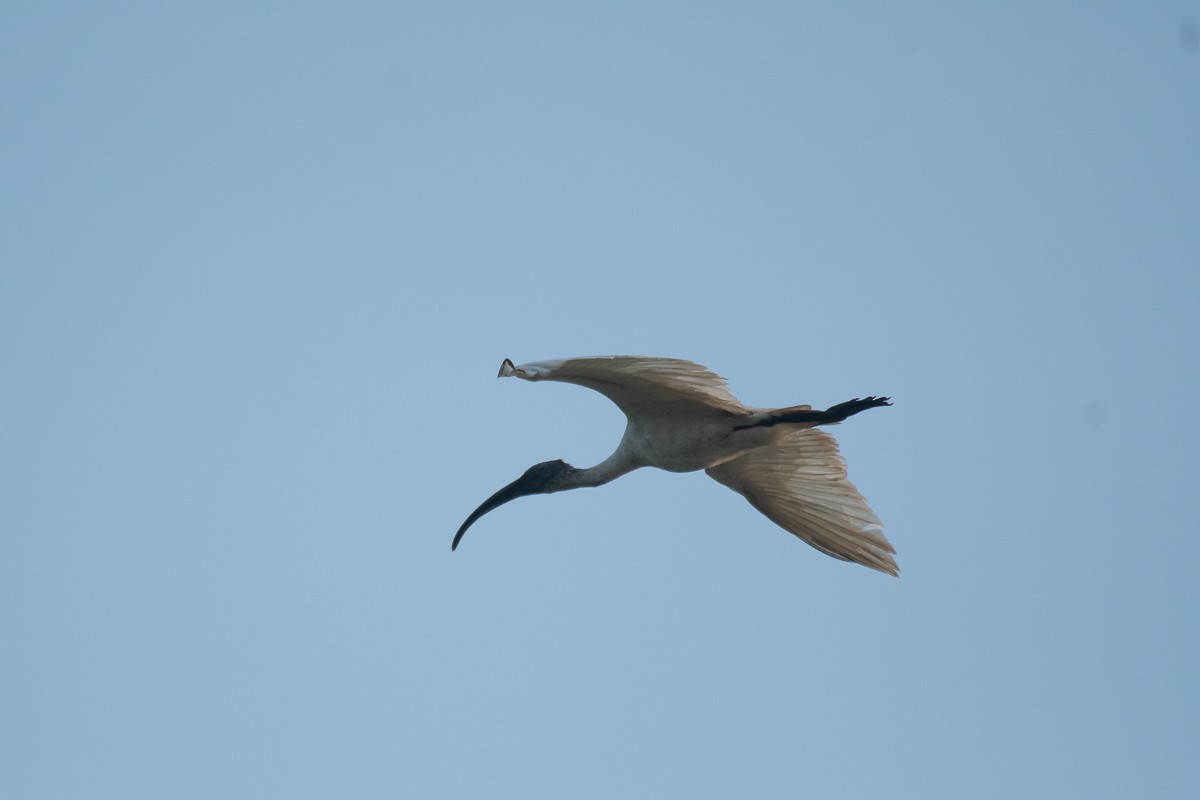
683,418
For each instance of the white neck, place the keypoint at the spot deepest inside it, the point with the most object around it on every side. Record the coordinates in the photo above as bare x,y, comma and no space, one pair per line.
607,470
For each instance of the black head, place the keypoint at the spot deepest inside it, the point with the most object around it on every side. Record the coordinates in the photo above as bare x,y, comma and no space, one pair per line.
549,476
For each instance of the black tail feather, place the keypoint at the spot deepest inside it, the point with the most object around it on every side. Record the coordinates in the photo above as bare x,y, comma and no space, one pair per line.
851,407
830,416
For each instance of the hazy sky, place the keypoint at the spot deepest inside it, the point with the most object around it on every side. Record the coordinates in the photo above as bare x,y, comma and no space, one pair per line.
259,264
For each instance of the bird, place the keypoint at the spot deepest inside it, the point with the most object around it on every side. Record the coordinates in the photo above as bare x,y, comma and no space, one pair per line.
683,418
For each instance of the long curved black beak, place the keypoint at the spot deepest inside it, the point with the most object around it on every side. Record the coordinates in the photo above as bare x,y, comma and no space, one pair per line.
521,487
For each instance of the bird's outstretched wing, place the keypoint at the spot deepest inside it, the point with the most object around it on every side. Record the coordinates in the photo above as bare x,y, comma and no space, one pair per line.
639,385
800,484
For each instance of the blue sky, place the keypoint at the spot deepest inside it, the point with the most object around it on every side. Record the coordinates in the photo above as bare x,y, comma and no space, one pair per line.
260,265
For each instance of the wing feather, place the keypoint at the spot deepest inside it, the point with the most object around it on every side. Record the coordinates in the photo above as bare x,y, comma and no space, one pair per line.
800,484
639,385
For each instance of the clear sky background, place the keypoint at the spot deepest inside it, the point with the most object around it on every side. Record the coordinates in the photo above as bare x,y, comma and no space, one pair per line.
260,263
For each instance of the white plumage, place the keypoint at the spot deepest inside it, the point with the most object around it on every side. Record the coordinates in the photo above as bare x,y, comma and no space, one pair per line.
681,417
